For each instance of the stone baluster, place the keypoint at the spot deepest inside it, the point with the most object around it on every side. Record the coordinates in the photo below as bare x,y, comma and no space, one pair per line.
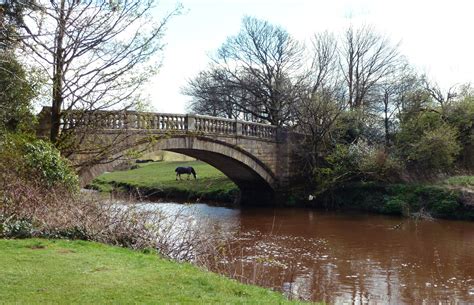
125,119
109,120
113,122
213,126
169,123
121,120
172,122
134,121
160,122
190,122
175,122
154,123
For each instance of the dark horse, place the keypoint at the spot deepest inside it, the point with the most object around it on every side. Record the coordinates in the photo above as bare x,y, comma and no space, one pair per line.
184,170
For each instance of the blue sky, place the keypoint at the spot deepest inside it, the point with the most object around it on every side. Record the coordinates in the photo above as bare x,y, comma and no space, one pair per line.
435,36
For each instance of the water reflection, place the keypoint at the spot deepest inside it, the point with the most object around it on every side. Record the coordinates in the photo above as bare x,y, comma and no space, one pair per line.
345,258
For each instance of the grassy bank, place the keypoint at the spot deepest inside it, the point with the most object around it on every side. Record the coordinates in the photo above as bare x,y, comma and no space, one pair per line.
451,198
79,272
159,179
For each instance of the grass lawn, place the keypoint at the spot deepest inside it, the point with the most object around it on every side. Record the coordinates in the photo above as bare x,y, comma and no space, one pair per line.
460,181
57,271
160,178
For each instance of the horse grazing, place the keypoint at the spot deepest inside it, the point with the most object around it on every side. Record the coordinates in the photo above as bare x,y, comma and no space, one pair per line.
184,170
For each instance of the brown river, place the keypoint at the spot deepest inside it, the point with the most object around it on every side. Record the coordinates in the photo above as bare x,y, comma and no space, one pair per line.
343,258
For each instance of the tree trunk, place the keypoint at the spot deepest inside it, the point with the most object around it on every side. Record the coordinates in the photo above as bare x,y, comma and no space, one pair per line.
57,100
386,121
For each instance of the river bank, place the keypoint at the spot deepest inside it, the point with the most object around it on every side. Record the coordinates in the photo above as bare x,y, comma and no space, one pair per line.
90,273
451,198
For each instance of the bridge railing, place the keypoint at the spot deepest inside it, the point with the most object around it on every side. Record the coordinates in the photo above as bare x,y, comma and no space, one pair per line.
133,120
208,124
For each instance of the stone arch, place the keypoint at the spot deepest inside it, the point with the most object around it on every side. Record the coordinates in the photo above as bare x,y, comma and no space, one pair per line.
255,180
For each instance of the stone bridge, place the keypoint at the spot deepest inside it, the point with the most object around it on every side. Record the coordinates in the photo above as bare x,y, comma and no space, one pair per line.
259,158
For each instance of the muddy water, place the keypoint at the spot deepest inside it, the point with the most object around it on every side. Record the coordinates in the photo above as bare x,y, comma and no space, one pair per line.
345,258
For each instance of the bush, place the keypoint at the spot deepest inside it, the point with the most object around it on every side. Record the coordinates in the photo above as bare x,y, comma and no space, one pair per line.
440,202
378,165
434,138
461,116
35,161
340,166
408,199
395,206
356,162
444,208
53,169
398,199
32,175
436,149
13,228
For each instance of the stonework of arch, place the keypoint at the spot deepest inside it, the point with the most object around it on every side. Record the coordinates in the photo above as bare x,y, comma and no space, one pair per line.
244,169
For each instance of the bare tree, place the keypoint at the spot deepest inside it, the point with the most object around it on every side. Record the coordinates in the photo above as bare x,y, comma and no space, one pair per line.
211,95
97,54
436,93
365,59
324,71
259,70
393,93
322,101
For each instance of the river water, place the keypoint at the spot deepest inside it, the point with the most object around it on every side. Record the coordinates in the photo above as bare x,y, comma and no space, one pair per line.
343,258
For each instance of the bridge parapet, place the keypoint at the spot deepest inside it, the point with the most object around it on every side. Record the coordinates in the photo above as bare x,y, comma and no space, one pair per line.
162,122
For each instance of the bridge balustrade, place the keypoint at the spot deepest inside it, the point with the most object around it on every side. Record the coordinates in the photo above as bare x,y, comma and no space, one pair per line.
208,124
133,120
258,130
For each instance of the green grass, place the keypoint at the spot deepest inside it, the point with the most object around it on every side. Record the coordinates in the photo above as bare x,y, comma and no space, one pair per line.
462,181
36,271
160,178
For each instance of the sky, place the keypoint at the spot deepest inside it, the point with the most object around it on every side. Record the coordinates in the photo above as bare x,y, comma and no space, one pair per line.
435,36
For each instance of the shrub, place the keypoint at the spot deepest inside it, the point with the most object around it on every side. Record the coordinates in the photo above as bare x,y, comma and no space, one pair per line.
431,138
35,161
399,199
378,165
44,159
445,207
339,166
461,116
436,149
394,205
16,228
408,199
440,202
